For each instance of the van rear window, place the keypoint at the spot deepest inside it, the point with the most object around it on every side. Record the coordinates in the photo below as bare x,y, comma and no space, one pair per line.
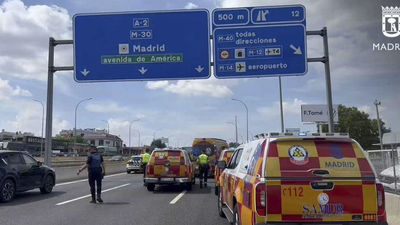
171,157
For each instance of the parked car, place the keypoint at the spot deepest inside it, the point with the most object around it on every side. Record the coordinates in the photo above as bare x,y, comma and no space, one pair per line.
291,179
224,156
134,164
117,158
387,177
21,172
169,166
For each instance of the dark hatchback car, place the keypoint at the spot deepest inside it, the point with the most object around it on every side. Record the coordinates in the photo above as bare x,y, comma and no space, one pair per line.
21,172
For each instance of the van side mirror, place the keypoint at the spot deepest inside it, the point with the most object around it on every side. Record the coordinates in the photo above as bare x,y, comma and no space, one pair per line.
221,164
39,163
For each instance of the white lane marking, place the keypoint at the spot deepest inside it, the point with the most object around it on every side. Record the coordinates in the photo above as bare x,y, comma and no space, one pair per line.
177,198
86,196
77,181
393,195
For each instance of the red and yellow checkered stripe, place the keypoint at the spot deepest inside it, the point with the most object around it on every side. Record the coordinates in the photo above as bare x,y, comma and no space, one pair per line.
286,199
176,160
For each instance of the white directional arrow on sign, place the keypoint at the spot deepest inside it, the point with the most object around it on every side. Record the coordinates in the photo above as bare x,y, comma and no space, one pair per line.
199,69
297,50
85,72
142,70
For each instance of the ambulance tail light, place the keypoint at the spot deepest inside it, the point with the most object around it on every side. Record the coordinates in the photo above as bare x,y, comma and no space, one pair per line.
187,171
149,170
261,199
381,202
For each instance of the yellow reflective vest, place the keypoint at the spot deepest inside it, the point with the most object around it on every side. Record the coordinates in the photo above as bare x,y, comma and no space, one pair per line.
203,159
145,157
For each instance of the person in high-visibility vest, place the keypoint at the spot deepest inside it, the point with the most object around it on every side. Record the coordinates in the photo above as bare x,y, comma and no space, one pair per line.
145,160
203,167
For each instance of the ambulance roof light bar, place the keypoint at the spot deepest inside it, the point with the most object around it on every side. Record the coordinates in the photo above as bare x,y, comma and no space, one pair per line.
299,134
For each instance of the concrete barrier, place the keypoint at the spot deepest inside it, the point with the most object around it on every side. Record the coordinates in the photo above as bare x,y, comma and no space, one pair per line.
393,208
64,174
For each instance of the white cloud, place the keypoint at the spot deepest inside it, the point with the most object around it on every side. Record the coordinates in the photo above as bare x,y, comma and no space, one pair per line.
105,107
30,119
313,85
157,84
191,5
120,127
25,31
289,108
210,87
365,108
7,91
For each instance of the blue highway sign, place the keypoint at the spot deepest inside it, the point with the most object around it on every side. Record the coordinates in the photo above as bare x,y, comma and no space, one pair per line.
259,15
161,45
260,41
278,14
229,17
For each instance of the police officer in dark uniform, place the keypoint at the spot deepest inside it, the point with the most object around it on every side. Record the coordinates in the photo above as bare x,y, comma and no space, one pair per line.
96,172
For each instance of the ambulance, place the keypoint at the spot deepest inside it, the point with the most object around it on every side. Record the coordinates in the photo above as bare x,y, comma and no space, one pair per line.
169,167
297,178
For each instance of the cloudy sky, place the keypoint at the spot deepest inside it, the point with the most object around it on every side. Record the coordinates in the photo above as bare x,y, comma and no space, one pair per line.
183,110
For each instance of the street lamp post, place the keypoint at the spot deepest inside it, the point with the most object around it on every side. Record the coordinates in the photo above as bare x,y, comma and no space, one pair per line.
108,126
235,124
247,116
169,144
281,105
130,126
376,103
236,133
76,109
138,137
41,140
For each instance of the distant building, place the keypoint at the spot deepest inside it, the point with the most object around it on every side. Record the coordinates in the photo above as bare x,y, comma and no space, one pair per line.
134,150
95,137
164,140
13,136
65,146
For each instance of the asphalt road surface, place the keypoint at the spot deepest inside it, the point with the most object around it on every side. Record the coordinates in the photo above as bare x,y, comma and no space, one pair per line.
126,201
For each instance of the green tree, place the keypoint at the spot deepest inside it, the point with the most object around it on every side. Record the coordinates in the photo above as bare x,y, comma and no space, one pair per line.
359,126
157,143
63,139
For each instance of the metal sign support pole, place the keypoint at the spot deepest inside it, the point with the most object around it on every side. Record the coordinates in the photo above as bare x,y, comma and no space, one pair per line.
49,106
281,105
325,60
394,168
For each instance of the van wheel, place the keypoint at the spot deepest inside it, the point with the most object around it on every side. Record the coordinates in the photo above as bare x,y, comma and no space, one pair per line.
150,187
7,191
236,218
47,185
219,205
